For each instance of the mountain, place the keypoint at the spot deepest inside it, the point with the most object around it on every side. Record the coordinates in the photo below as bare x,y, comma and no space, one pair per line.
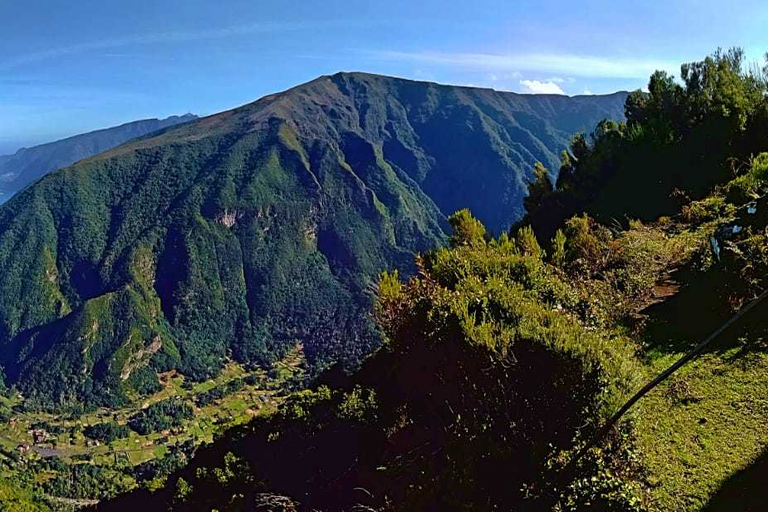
30,164
481,380
244,233
504,355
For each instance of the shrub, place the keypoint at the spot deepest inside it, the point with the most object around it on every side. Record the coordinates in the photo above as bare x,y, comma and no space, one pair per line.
107,432
160,416
750,185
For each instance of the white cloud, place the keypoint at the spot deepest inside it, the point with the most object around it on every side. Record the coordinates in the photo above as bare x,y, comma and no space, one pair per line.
560,64
587,92
537,87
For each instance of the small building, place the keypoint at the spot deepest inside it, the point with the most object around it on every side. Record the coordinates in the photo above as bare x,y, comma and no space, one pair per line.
38,435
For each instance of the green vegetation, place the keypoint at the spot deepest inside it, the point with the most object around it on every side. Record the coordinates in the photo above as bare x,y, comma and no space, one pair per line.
219,392
14,498
503,355
703,427
85,481
107,432
679,141
30,164
453,395
241,234
39,451
695,150
161,416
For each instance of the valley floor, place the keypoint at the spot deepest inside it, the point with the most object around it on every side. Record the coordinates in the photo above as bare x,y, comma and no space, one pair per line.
63,436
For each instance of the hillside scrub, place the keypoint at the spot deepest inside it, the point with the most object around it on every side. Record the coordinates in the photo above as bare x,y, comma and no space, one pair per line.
241,234
488,371
679,141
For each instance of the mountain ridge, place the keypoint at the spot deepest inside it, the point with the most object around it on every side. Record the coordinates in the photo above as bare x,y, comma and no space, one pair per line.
27,164
273,97
242,233
530,107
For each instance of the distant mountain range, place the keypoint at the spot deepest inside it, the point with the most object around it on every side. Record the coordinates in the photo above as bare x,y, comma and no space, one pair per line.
30,164
243,233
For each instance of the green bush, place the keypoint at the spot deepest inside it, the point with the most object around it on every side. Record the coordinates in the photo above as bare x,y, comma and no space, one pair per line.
160,416
751,184
107,432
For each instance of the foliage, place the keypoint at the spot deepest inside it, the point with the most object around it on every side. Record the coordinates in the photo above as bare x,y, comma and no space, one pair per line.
144,381
161,416
540,188
467,230
218,392
527,243
153,473
107,432
678,142
558,249
750,185
482,377
215,239
501,361
16,498
85,481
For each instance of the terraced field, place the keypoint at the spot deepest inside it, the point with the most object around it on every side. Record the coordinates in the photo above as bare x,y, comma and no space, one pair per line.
29,439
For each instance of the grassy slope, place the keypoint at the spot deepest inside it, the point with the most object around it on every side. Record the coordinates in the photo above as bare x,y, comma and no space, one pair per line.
704,425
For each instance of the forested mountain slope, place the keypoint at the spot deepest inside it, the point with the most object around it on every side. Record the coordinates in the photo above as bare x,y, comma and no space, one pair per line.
29,164
505,355
239,234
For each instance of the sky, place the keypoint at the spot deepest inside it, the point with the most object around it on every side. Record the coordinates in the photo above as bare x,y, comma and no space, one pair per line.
71,67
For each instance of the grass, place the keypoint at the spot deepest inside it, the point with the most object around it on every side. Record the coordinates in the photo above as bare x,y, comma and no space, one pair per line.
236,408
702,434
703,426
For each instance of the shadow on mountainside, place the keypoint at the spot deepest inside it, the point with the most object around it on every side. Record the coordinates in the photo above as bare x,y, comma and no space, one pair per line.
696,310
744,490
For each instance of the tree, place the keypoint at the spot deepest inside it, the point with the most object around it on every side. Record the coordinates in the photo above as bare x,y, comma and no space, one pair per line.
558,249
527,243
467,230
540,187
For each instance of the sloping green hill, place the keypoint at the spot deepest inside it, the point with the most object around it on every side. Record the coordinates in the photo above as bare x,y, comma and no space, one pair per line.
242,233
29,164
692,156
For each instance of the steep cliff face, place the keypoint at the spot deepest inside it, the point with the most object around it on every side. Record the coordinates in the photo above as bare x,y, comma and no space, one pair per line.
239,234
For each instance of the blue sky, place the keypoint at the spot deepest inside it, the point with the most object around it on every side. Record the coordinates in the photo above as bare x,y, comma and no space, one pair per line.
68,67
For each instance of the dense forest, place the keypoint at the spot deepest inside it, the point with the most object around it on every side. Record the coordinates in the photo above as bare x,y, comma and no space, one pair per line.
680,140
237,236
28,165
503,355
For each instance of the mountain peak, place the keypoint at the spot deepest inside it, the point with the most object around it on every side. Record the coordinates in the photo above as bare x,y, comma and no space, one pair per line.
246,231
